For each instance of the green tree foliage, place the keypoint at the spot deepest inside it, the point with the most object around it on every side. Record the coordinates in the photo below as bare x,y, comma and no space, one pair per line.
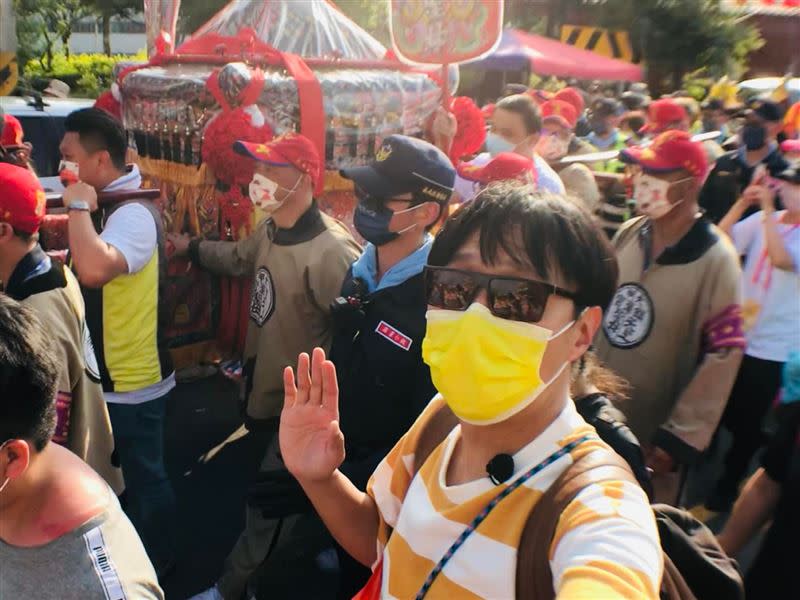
370,15
52,19
87,74
680,36
106,9
195,13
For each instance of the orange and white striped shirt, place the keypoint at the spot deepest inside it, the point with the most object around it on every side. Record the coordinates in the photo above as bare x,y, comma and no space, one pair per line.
606,543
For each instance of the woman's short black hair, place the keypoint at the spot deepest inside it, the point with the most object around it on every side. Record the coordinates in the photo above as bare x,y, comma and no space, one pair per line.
99,131
28,376
550,233
526,107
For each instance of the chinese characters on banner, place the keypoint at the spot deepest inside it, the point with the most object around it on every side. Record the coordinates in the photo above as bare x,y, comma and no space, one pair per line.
445,31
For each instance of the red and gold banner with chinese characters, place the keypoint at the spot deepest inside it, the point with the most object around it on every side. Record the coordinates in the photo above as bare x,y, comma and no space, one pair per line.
445,31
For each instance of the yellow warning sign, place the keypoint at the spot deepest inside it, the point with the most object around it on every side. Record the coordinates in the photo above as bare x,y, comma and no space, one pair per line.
606,42
9,73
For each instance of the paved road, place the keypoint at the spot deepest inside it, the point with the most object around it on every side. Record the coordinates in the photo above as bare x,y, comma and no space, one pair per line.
210,492
211,460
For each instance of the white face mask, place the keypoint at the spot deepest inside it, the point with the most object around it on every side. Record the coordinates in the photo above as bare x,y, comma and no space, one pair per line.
790,196
495,144
651,196
262,192
70,167
551,147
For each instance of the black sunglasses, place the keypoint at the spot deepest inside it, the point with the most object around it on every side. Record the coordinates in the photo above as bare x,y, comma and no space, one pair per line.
512,298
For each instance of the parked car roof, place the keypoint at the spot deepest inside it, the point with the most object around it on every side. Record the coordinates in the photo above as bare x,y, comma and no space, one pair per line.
55,107
43,126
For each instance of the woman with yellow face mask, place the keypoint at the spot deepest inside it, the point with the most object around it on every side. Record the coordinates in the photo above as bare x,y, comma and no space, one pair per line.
515,283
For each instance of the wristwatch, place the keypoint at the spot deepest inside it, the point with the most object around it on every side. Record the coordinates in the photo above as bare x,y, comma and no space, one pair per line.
81,205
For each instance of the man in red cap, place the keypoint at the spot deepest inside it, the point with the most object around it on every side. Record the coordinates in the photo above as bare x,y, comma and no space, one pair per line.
13,149
11,133
670,113
558,125
559,119
665,114
680,353
31,277
571,96
298,258
576,98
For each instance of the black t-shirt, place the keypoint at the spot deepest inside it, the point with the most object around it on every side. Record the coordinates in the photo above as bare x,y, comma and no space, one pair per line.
769,576
728,179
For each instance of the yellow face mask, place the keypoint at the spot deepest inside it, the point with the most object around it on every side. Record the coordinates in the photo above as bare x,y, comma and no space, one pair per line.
485,367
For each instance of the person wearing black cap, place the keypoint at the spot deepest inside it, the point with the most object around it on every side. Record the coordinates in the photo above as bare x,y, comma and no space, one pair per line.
634,101
715,119
380,318
734,171
605,135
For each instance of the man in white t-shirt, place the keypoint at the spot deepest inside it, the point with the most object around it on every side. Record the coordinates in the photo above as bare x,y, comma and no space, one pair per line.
515,127
117,253
769,240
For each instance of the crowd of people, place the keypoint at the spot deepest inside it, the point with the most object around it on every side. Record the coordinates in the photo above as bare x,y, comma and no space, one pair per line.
478,392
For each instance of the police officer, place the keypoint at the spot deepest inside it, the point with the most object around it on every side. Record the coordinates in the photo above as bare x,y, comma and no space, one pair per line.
380,319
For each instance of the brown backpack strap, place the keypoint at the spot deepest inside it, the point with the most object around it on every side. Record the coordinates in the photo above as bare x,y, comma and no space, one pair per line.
433,433
534,580
673,585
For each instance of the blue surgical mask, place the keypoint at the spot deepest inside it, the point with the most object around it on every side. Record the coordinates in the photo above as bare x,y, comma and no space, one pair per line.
600,127
372,218
496,144
754,137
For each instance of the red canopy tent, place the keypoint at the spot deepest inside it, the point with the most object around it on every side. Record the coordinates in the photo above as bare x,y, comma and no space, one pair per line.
546,56
769,7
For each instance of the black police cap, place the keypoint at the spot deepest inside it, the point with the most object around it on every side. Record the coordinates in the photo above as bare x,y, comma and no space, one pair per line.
405,165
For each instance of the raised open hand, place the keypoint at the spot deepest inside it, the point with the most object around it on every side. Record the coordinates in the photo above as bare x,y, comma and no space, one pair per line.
312,445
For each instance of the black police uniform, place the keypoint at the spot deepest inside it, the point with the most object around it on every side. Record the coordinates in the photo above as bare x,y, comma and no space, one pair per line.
383,382
377,342
728,179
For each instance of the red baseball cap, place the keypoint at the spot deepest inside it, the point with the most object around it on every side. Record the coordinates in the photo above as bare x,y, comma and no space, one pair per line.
287,150
671,151
663,113
503,167
12,131
22,199
571,96
558,110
